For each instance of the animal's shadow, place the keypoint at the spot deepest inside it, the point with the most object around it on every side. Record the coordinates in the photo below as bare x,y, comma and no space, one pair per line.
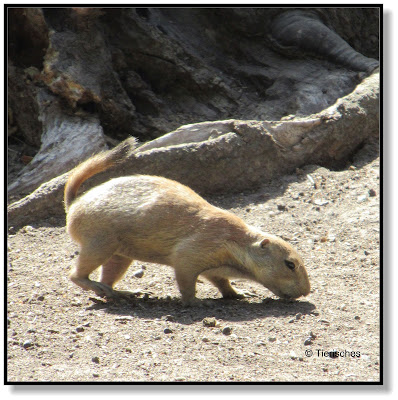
227,310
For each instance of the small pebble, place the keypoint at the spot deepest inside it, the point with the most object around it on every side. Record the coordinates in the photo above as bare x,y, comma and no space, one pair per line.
27,344
272,339
139,273
79,329
28,228
372,193
209,321
357,317
169,318
333,354
95,360
312,335
168,330
298,315
321,202
307,341
282,207
227,330
324,321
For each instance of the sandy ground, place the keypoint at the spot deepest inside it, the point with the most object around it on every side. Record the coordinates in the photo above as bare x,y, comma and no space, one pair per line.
57,332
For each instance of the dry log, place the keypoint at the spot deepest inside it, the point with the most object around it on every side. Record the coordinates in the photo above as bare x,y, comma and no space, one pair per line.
233,155
66,140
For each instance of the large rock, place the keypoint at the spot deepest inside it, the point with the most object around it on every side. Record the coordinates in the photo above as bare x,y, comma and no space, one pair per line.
144,72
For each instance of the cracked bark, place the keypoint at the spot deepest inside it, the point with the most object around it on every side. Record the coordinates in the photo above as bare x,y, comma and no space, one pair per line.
233,155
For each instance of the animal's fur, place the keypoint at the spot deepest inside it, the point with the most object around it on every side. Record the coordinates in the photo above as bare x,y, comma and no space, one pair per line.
154,219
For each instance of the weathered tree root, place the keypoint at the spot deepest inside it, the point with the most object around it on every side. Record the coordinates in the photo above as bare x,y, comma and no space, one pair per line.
233,155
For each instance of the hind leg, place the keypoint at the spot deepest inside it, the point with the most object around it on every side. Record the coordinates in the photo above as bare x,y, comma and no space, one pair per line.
113,270
90,258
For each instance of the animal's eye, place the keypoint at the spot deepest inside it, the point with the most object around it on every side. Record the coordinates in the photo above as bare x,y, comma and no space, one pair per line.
290,265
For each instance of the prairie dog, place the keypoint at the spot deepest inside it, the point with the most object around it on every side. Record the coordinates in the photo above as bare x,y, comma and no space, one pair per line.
158,220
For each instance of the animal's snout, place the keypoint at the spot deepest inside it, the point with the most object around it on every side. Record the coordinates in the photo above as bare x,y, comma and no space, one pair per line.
295,293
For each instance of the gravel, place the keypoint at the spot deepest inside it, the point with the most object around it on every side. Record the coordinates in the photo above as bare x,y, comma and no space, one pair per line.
56,332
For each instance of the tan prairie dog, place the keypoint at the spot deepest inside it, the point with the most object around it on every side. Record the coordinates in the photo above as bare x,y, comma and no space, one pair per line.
158,220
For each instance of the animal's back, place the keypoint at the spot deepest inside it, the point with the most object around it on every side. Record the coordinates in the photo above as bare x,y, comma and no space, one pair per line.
146,210
135,195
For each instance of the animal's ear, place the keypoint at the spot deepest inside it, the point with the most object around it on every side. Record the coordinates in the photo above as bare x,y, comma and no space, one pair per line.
264,243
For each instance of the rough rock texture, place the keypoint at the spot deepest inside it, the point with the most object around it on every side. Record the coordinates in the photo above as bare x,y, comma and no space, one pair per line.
62,135
297,32
146,71
234,155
